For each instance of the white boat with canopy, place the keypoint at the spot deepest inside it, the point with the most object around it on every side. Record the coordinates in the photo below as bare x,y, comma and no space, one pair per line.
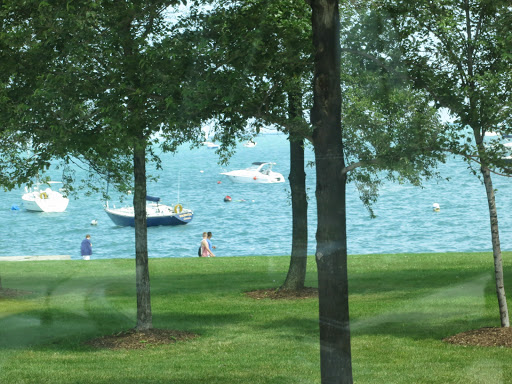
42,198
258,172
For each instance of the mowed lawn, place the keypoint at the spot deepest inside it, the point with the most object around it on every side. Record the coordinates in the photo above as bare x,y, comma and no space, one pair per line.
401,306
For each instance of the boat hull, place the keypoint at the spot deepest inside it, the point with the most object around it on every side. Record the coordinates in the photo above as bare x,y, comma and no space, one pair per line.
254,178
45,205
259,172
128,220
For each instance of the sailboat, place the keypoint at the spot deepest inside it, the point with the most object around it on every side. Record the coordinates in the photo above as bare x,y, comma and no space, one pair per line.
156,214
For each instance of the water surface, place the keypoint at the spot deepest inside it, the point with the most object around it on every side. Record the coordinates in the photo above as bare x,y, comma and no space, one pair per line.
258,220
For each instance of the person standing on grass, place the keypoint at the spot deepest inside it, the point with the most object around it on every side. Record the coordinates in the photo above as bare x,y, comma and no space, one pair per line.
209,240
205,247
86,248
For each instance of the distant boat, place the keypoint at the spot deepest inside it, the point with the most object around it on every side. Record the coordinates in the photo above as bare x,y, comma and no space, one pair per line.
494,134
508,147
41,198
210,145
258,172
250,144
156,214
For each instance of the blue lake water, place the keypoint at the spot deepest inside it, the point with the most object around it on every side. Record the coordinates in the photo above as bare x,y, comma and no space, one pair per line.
258,220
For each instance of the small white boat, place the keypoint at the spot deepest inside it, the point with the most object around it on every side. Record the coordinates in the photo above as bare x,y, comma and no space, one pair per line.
508,148
250,144
258,172
41,198
210,145
156,214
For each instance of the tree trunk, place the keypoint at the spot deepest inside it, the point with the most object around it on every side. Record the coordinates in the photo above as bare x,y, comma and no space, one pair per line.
299,257
496,248
331,253
144,317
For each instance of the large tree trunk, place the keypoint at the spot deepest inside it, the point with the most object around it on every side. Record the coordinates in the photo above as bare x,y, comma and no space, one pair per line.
496,248
331,253
144,317
299,257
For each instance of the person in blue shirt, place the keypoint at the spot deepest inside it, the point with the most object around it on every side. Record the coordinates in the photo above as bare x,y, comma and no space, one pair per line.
209,240
86,248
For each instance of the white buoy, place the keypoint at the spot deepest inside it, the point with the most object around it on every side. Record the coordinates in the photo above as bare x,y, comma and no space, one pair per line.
436,207
94,222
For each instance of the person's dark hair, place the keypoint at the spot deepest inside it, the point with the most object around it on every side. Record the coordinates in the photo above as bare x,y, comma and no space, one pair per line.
209,234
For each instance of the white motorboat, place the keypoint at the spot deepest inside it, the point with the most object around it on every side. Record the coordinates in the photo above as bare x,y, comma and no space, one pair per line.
508,148
210,145
250,144
42,198
156,214
258,172
495,134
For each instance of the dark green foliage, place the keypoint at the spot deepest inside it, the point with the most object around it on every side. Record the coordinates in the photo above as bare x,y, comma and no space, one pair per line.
250,57
459,52
390,129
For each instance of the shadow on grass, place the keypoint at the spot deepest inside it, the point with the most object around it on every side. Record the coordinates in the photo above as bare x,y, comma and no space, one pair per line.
415,326
419,312
67,331
165,281
75,308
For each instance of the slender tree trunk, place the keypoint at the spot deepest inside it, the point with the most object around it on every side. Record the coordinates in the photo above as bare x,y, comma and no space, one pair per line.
331,253
144,316
299,257
496,248
484,169
135,108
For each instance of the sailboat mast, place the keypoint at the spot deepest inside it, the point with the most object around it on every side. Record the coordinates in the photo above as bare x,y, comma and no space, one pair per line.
179,178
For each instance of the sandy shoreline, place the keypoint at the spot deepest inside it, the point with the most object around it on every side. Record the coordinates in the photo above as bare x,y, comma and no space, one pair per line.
35,258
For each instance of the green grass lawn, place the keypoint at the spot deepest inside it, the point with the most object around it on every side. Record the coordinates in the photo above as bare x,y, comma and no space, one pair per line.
401,307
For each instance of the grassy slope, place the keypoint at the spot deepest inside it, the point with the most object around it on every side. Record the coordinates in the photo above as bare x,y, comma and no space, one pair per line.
401,307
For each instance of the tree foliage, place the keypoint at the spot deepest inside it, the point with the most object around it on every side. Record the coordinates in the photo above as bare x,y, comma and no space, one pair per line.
459,52
96,81
253,69
249,59
390,130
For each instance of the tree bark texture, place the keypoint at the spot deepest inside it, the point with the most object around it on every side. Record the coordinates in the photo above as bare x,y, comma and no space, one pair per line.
144,316
331,252
496,248
299,257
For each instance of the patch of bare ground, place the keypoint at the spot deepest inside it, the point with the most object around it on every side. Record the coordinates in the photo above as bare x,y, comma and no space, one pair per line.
483,337
132,339
7,293
286,294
